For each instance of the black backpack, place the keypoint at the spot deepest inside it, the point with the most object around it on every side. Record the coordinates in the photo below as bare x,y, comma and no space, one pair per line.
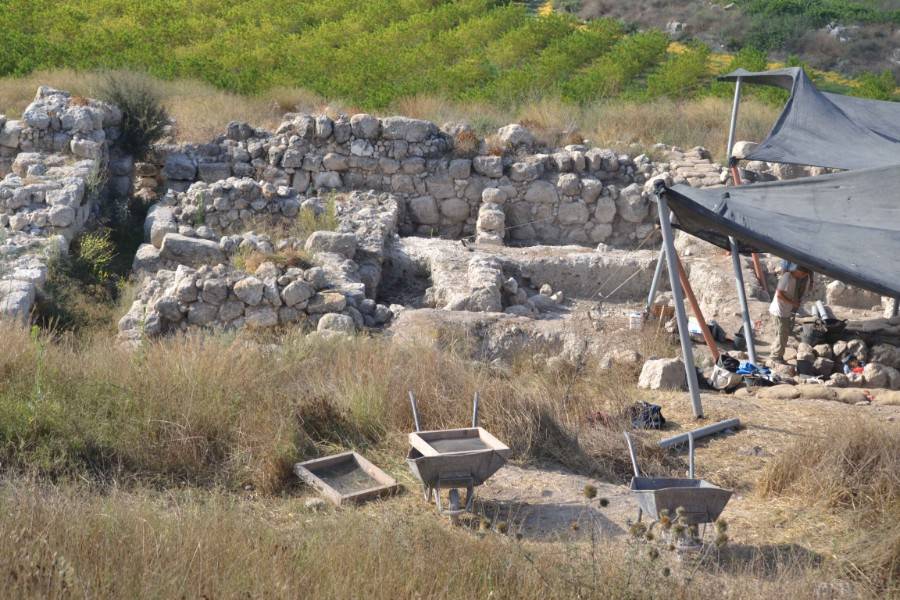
646,416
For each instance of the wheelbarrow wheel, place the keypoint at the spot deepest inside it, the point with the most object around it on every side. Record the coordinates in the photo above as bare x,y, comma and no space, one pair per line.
454,506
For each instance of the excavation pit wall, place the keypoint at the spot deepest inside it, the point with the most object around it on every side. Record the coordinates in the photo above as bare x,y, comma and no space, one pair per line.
573,195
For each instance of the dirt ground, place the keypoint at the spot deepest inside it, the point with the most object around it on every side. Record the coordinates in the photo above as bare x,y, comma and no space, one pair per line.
546,504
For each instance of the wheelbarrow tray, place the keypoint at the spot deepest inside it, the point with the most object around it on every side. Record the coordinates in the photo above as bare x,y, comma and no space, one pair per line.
455,457
346,478
702,501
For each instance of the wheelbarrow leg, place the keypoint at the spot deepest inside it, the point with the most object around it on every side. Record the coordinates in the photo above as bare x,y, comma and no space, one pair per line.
470,497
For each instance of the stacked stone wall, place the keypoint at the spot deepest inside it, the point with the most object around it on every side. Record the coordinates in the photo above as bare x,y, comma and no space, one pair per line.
576,194
54,163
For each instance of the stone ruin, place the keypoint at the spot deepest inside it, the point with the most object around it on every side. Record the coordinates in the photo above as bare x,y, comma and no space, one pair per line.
426,219
430,229
55,162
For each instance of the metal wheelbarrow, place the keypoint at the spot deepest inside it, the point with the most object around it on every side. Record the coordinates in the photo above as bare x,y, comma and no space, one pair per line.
453,459
701,501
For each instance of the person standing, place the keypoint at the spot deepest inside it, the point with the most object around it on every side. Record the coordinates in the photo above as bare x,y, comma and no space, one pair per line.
792,286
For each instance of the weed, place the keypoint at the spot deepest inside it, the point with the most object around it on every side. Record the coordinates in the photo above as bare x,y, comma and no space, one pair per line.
466,143
144,119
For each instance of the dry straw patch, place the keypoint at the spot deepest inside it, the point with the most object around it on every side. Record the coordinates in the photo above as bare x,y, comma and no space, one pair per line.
71,541
852,469
201,112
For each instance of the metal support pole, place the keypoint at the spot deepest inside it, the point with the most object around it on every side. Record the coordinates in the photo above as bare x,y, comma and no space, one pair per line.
656,275
732,129
475,411
742,296
680,315
735,174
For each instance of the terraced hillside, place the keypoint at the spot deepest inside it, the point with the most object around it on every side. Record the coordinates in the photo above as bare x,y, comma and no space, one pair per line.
849,36
365,52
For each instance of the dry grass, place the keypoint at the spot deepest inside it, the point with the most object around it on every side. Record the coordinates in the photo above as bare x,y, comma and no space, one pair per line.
202,111
852,468
235,412
72,541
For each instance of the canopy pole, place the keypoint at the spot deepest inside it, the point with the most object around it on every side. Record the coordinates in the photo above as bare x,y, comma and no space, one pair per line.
680,316
656,275
734,115
736,176
742,296
695,308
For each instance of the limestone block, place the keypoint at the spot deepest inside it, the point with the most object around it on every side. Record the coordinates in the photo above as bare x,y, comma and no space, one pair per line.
663,373
424,210
489,166
190,251
332,241
179,166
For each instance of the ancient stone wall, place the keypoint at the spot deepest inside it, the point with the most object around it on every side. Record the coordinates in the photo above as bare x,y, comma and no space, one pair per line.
327,281
54,162
577,194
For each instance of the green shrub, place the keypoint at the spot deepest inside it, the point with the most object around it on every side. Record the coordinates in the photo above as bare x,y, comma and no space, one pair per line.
95,253
681,75
144,119
881,86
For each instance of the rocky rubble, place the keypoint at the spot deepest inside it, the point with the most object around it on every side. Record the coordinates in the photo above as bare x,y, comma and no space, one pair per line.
197,281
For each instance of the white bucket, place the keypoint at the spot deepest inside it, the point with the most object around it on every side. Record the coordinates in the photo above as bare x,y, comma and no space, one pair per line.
635,320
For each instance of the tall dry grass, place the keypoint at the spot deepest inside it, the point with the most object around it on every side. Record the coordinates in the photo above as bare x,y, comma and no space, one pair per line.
201,112
237,411
852,469
69,541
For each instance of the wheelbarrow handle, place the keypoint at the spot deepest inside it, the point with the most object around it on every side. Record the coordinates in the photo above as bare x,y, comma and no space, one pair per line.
631,452
415,412
690,454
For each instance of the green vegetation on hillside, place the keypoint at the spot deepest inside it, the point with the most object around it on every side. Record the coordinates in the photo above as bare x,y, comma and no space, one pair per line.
774,23
366,53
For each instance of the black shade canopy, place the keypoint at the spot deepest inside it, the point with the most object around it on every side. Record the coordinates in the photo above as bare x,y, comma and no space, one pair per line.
845,225
826,130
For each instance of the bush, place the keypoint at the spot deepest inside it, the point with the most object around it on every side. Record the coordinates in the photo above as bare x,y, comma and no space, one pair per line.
144,119
681,75
877,87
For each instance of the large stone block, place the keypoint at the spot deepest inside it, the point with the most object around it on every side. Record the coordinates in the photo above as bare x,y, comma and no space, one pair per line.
841,294
332,241
663,374
9,134
424,210
179,166
489,166
160,221
365,126
16,299
410,130
632,205
542,192
456,210
190,251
